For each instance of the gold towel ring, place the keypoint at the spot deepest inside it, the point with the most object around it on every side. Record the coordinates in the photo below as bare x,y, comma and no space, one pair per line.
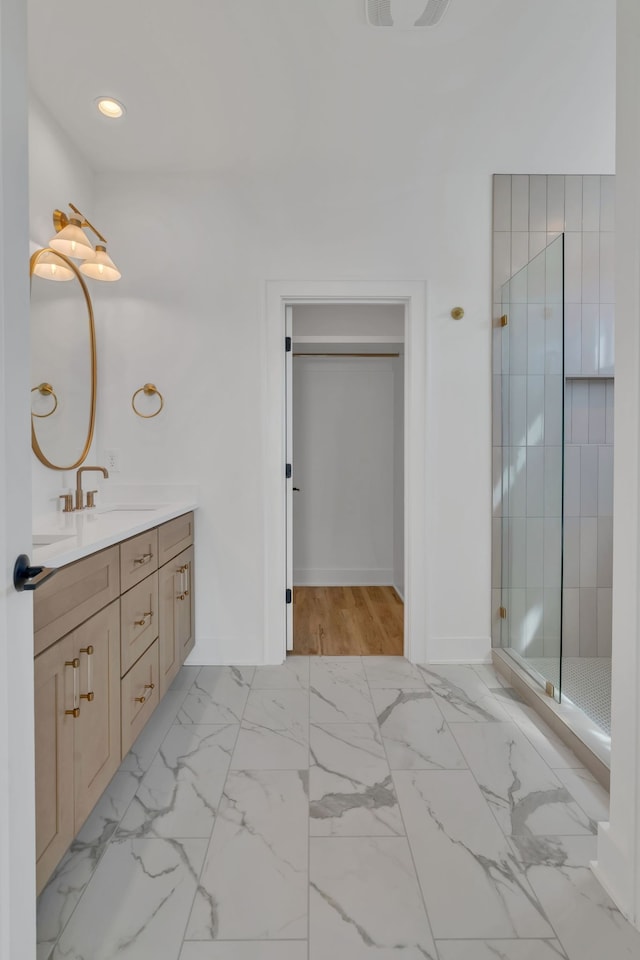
149,389
47,391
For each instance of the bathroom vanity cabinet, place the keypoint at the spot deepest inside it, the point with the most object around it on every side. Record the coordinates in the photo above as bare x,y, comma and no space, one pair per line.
111,632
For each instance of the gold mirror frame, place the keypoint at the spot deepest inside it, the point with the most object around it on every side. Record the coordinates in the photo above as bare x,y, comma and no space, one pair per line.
35,446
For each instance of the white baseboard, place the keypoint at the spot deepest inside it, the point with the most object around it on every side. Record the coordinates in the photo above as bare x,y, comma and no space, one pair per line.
459,650
318,577
398,591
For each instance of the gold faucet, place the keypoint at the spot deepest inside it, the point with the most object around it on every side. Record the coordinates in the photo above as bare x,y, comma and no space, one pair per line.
79,495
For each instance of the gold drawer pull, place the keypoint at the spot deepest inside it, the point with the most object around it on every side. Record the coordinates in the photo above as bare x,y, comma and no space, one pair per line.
181,596
144,558
149,686
90,695
140,699
75,712
141,623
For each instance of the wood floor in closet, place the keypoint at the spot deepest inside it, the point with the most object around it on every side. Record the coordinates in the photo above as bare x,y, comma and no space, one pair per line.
348,621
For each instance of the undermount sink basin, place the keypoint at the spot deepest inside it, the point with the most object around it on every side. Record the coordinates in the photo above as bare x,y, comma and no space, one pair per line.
46,539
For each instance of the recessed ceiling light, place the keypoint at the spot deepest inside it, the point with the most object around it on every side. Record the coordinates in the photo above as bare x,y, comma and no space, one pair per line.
110,108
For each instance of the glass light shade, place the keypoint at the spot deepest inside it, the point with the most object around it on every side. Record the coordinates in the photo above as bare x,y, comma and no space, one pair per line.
73,242
101,267
51,267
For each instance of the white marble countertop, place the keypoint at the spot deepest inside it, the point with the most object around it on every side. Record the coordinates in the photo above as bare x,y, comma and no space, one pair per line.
61,538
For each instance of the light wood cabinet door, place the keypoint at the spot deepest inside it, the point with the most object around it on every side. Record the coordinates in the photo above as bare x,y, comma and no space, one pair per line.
186,607
176,637
54,733
97,731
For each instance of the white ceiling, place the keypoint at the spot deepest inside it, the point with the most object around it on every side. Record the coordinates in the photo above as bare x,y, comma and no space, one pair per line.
220,85
217,84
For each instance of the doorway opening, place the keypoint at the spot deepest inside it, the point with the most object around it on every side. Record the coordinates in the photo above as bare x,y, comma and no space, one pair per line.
345,495
411,298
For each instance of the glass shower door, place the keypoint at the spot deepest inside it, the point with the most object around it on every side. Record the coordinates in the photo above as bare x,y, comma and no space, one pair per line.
532,473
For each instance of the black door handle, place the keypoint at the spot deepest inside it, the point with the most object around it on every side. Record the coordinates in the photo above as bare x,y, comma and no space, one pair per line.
297,488
26,577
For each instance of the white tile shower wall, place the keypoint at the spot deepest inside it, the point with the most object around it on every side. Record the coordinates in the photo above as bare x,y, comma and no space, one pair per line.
588,528
528,213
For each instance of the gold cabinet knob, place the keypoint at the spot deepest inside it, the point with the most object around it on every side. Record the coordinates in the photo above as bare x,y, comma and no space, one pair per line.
141,623
141,699
149,686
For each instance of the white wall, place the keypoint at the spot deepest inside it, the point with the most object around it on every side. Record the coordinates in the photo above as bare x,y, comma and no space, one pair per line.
58,174
196,251
343,449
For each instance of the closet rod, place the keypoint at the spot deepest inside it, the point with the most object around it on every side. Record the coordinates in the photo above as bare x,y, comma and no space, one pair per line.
324,355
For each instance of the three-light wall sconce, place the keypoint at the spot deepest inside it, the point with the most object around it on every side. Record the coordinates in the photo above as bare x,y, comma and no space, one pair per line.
72,242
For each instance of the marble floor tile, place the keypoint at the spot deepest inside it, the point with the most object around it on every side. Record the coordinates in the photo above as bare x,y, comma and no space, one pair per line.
218,695
554,851
555,753
500,950
586,790
585,919
524,793
60,897
259,748
414,732
472,882
279,710
137,902
339,691
461,694
180,792
489,675
292,674
254,881
245,950
351,792
365,901
139,758
391,672
275,731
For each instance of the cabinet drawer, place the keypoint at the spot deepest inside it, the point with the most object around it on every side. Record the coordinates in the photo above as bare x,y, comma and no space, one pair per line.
174,537
138,621
139,696
138,558
73,595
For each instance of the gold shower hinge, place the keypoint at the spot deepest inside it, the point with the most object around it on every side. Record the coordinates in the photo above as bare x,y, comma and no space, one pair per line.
503,613
549,688
504,320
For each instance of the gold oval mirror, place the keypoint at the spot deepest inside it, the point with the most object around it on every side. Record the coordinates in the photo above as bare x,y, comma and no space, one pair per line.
63,362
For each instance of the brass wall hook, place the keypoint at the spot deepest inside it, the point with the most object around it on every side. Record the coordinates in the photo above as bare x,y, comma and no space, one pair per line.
47,391
149,389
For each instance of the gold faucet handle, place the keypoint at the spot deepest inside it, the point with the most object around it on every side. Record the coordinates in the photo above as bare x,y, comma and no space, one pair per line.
68,502
91,498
